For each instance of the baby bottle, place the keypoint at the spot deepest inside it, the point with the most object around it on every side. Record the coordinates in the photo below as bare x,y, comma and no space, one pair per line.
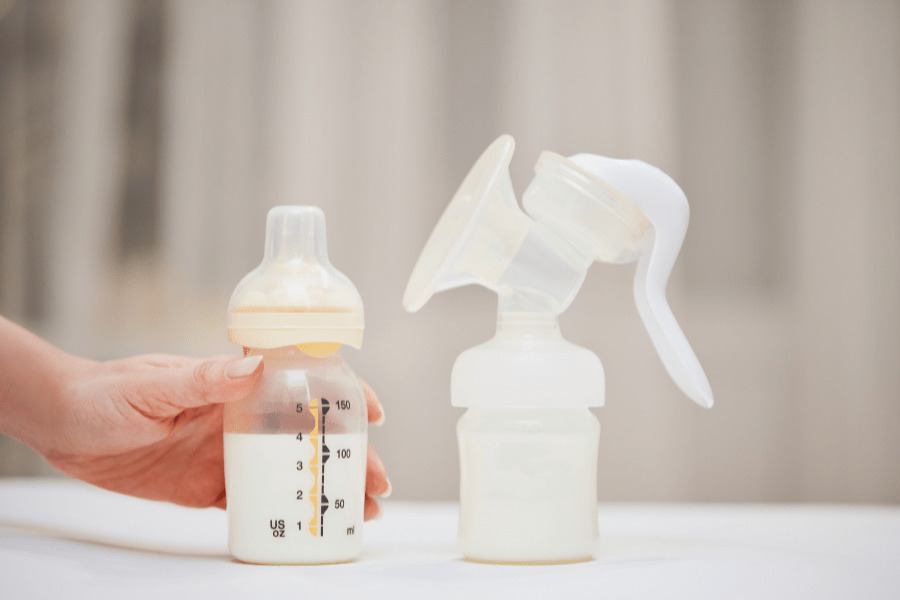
295,449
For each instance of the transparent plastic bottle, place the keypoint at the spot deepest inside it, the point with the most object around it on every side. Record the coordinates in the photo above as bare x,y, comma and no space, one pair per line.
295,449
528,443
528,484
295,455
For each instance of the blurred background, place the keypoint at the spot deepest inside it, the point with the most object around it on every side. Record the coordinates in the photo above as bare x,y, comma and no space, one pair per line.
143,141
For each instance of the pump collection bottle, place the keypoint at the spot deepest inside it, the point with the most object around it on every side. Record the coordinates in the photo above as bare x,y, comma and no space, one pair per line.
528,484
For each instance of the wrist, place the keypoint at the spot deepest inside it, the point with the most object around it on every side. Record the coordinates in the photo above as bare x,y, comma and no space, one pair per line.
34,380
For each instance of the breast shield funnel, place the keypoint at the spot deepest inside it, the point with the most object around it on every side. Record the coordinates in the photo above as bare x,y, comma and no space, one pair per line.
484,237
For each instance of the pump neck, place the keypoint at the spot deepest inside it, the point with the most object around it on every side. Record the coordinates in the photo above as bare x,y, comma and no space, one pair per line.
524,316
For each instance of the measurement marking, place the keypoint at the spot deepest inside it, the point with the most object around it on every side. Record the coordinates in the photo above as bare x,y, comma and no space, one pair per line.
323,500
315,494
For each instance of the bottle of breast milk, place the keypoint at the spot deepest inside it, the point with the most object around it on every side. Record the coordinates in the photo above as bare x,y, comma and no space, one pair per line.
295,449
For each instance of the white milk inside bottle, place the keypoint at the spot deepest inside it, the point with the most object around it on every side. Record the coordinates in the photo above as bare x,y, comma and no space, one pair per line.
528,484
302,504
295,449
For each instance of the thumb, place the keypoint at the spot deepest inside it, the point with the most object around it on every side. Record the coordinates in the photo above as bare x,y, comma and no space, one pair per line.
215,381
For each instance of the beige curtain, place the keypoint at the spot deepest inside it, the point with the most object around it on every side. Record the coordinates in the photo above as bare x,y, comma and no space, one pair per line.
781,121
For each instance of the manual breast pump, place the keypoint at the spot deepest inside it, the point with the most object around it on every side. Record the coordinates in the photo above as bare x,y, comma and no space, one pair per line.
295,449
528,443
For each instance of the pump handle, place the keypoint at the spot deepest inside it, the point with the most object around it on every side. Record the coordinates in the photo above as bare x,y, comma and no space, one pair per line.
664,204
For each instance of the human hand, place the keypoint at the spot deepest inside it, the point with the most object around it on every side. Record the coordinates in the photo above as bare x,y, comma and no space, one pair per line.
151,426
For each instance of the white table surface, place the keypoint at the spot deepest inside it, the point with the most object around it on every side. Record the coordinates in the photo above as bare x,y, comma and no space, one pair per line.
62,539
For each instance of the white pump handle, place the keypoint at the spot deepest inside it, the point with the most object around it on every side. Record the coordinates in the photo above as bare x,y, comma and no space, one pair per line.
664,204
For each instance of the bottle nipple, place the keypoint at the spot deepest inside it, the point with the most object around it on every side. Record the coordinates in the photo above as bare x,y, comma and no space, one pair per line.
295,296
296,234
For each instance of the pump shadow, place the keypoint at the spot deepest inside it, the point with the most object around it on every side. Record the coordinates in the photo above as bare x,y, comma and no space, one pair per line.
548,563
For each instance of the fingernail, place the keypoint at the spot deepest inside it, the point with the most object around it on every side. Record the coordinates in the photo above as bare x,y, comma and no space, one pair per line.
390,489
380,513
381,418
242,367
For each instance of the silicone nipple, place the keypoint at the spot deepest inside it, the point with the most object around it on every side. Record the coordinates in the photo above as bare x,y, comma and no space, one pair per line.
295,236
295,296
